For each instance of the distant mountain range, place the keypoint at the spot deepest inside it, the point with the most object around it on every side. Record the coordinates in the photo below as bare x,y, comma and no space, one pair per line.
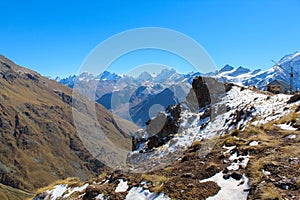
128,96
260,78
239,75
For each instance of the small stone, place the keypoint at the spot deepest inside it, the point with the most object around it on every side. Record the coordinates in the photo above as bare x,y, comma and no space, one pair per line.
225,171
267,173
145,186
253,143
188,175
236,175
190,185
241,159
241,183
226,176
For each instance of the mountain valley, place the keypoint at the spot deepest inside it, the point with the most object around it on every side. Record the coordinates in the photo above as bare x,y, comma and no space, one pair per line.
212,136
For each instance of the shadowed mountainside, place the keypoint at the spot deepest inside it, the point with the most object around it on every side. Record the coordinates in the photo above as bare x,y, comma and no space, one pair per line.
39,142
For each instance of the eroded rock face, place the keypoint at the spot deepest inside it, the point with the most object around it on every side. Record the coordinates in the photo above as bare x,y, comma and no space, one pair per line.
160,129
294,98
170,127
199,95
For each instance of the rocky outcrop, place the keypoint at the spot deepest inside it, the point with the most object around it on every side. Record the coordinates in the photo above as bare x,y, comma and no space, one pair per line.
294,98
199,95
139,112
161,129
205,91
170,127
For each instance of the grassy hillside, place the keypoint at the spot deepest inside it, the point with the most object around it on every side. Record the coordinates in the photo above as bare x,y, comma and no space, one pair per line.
9,193
38,139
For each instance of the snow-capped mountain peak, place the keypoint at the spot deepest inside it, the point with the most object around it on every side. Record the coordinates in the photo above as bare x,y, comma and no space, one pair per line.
290,57
106,75
164,75
226,68
145,76
241,75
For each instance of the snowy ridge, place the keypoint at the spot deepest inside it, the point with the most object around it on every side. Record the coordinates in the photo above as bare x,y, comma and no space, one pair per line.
259,78
242,107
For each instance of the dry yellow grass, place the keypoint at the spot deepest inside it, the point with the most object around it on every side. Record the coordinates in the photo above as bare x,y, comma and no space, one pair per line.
9,193
71,182
269,192
158,181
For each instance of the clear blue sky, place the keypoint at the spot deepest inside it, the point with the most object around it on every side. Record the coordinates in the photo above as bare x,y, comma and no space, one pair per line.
54,37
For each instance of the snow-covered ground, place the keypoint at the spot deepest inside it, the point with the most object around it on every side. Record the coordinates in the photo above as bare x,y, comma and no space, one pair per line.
62,191
238,161
253,143
138,193
122,186
287,127
230,188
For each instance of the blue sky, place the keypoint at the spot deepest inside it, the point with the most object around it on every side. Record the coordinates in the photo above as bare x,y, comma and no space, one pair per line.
54,37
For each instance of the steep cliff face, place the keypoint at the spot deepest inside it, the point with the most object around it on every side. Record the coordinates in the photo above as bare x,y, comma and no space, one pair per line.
39,141
199,95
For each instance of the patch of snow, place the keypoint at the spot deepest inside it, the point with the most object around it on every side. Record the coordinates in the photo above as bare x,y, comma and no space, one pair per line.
99,197
229,149
138,193
287,127
233,166
238,161
267,173
106,181
62,191
122,186
75,189
266,108
291,137
230,188
253,143
57,192
143,182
